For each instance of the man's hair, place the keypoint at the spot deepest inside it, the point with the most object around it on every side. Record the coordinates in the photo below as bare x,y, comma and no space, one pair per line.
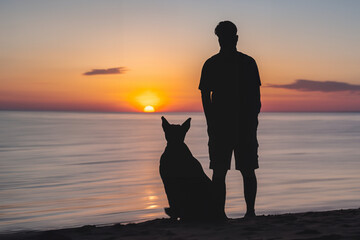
225,29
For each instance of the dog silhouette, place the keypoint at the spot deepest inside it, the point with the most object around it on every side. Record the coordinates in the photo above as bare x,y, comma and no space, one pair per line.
189,190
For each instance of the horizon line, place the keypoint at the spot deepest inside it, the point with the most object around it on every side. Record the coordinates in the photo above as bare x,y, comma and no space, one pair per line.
135,112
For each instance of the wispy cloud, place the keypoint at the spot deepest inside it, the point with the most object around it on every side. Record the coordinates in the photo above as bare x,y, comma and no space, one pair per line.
311,85
117,70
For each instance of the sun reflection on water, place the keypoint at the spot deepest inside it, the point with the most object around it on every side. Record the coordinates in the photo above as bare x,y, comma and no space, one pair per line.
152,202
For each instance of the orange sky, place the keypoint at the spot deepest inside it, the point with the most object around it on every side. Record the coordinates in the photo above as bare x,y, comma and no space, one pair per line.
160,47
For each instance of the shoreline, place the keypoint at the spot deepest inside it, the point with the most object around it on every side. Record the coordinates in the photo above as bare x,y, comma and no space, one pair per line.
335,224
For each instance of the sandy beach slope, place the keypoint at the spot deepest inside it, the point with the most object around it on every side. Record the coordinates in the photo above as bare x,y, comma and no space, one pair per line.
338,224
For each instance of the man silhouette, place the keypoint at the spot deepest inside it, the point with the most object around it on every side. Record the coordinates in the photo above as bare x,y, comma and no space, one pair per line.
230,92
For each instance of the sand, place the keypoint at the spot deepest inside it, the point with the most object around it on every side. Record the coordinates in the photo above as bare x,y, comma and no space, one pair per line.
338,224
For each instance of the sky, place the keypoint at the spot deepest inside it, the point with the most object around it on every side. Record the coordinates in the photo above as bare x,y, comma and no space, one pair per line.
121,56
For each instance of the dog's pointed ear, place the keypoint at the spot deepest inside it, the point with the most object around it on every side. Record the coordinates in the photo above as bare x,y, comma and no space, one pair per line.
186,124
165,123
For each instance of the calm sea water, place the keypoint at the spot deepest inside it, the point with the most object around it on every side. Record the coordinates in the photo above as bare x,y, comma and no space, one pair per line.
72,169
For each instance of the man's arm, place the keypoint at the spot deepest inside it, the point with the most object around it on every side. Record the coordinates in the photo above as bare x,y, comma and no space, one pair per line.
256,75
206,102
257,99
206,94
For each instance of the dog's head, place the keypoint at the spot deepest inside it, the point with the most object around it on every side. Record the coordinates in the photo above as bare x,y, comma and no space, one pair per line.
175,133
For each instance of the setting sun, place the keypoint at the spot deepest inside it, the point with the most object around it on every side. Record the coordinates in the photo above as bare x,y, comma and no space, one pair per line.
147,100
149,109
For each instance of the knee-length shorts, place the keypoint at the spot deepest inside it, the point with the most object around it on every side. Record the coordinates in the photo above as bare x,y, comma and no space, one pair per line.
243,144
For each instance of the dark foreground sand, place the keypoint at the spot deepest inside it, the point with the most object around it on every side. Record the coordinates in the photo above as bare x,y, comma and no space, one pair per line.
339,224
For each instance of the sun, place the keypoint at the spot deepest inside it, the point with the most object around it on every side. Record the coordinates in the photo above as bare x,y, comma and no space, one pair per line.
149,109
148,100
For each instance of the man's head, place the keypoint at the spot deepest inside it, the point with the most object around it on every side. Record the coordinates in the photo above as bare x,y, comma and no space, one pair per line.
226,32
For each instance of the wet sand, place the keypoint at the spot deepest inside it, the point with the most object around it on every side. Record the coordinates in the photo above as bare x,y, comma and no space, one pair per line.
338,224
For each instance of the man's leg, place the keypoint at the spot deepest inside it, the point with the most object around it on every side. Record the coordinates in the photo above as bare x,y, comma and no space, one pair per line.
218,180
250,189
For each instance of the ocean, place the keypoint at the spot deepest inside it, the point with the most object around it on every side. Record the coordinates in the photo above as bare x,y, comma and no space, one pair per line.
65,169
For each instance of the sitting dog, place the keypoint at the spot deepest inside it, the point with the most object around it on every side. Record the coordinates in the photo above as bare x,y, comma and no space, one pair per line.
188,188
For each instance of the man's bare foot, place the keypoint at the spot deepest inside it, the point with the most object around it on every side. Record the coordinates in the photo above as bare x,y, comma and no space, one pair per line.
250,215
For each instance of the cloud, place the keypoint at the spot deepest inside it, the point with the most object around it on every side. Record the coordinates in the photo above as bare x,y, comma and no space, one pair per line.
311,85
117,70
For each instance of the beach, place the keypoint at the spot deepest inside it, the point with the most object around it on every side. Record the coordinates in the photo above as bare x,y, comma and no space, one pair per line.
336,224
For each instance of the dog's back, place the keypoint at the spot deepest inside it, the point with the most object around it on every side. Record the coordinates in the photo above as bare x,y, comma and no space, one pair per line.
188,188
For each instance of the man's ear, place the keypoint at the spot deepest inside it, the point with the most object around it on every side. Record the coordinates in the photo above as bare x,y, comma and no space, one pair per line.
165,123
186,124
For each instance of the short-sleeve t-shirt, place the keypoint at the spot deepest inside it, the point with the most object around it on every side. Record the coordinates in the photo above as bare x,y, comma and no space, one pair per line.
233,79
